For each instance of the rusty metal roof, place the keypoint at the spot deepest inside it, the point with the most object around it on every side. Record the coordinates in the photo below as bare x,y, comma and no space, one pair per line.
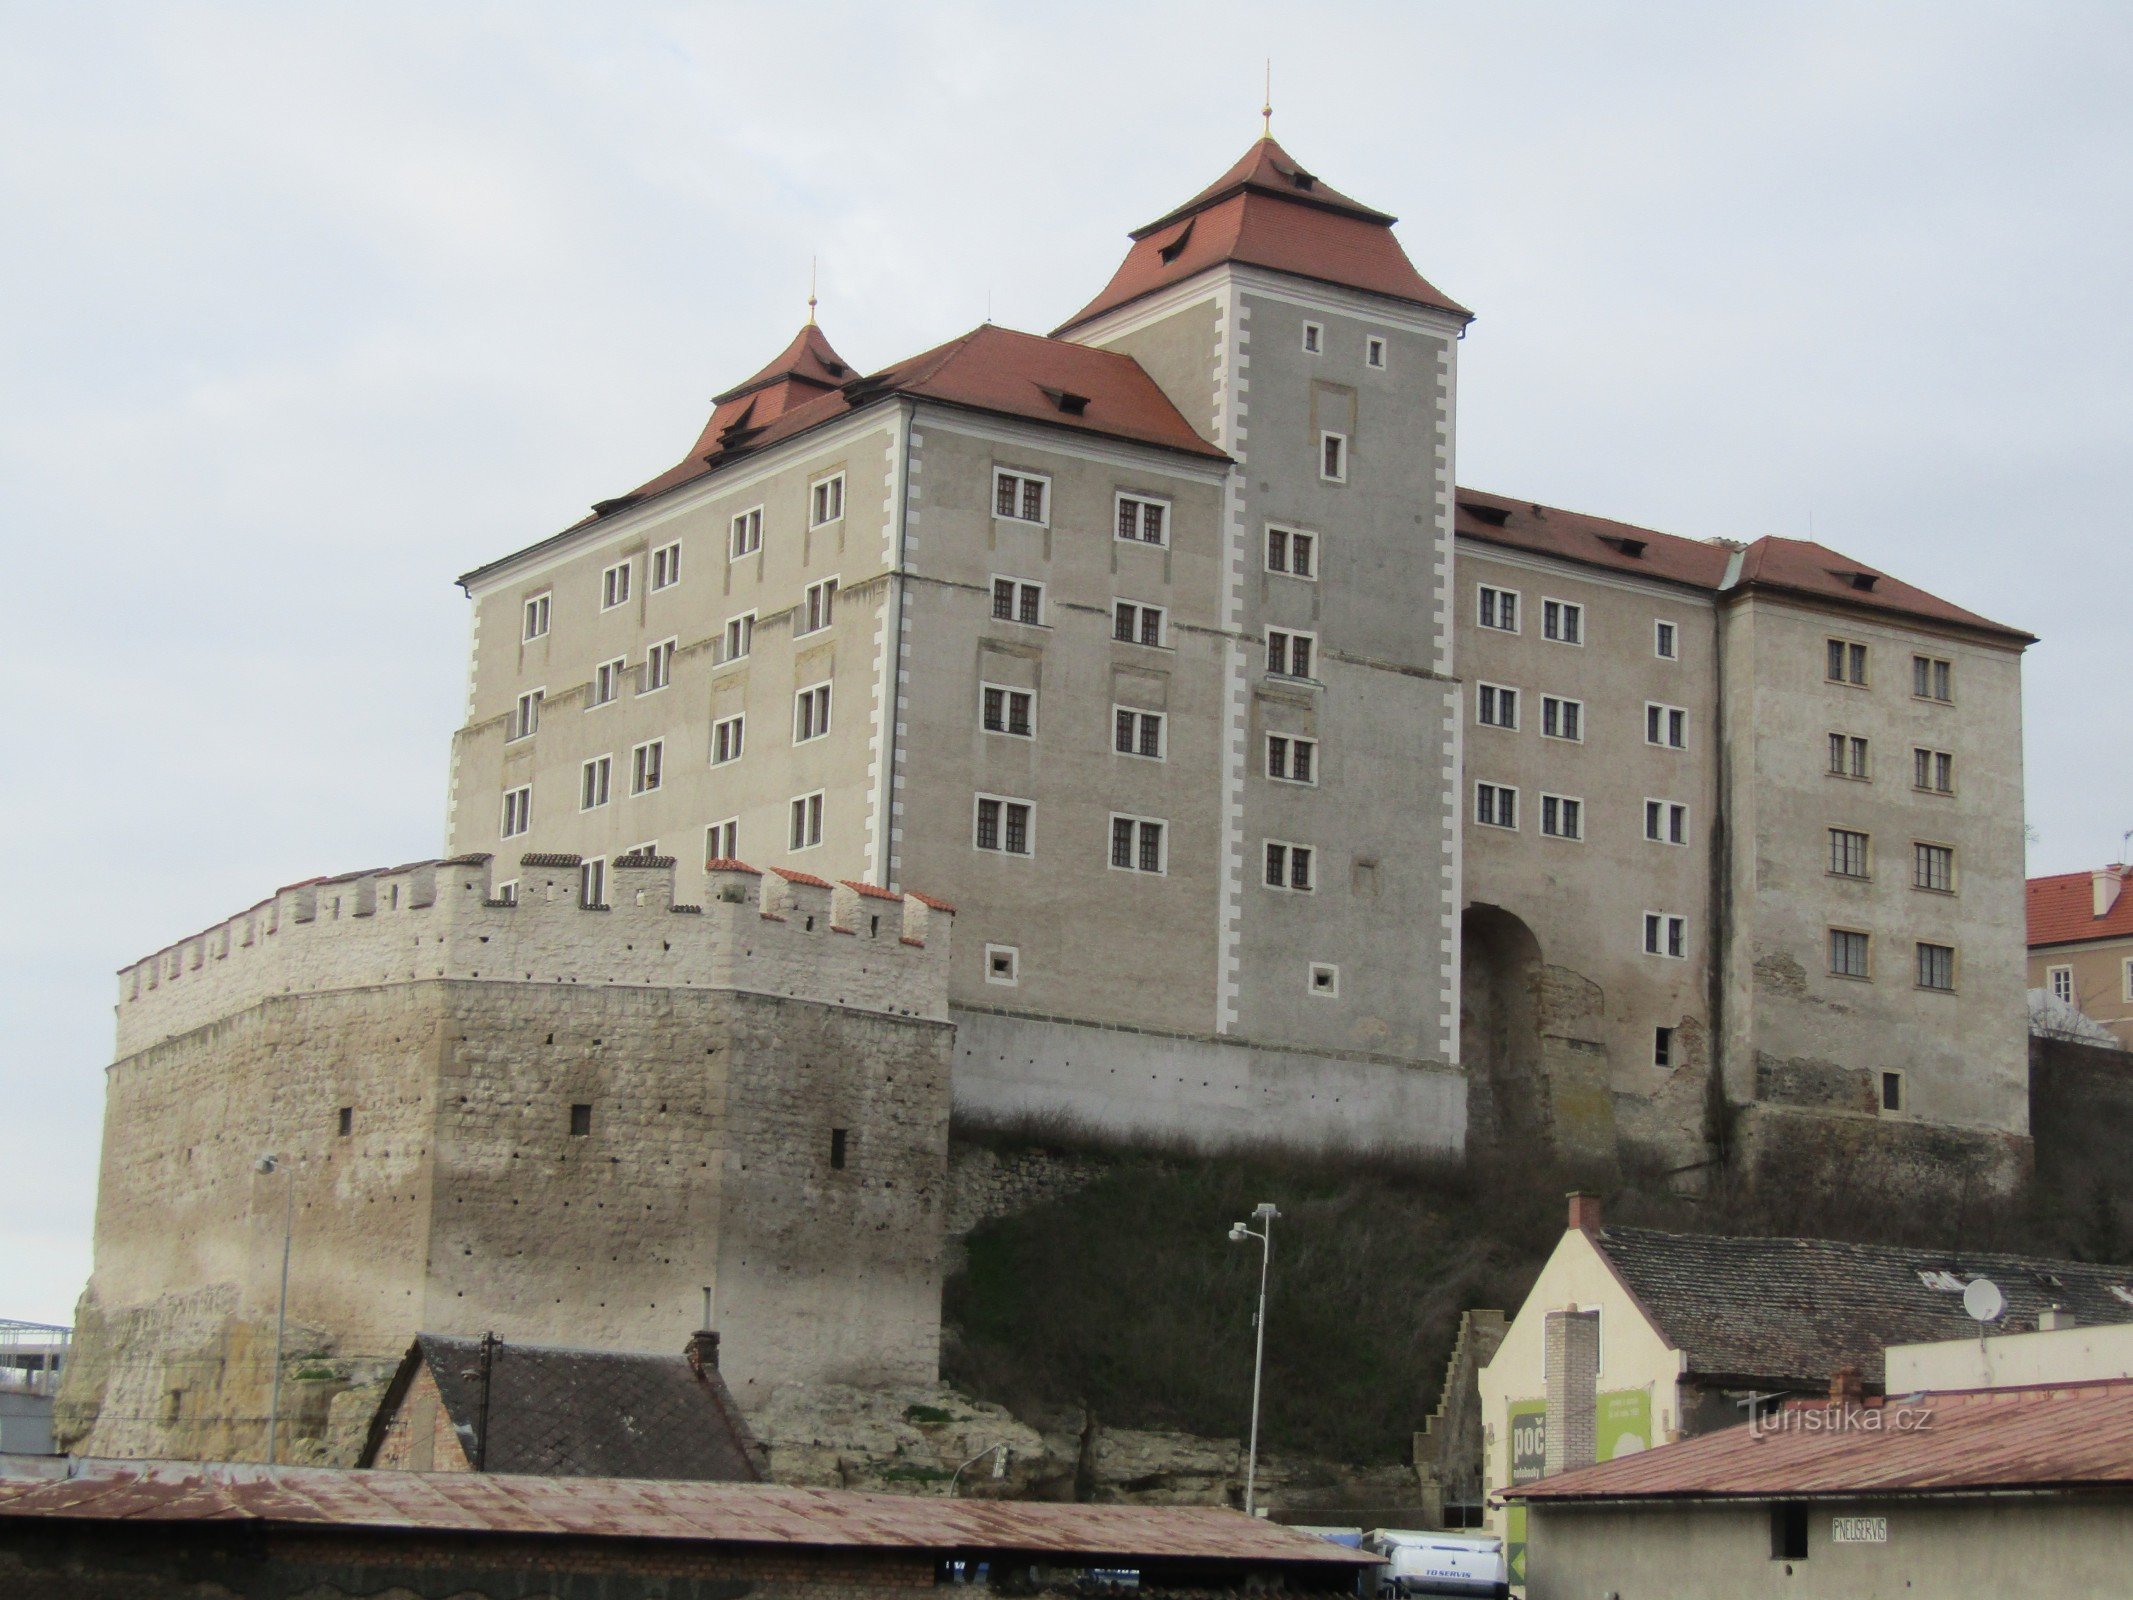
723,1513
2056,1436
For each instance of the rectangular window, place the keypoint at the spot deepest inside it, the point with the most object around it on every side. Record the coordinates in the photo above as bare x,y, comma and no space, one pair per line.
740,637
1892,1091
1142,520
2126,988
1788,1531
581,1121
1021,497
1847,756
810,713
607,681
1495,706
1847,662
1374,352
1293,551
592,882
1289,655
659,665
1847,853
1562,719
1136,844
1666,935
818,609
1850,954
1016,601
1003,825
1495,805
2060,980
1562,817
594,780
1666,641
536,617
1936,966
1314,339
1933,771
1333,457
1933,867
666,566
1008,710
526,715
1666,726
1932,679
1662,1047
722,840
825,500
1497,609
518,810
1563,621
806,830
1137,624
748,533
1288,866
837,1149
1137,733
615,586
646,760
1003,964
1666,822
1290,759
726,739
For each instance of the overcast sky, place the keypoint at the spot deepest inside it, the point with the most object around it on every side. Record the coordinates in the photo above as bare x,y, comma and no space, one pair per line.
306,309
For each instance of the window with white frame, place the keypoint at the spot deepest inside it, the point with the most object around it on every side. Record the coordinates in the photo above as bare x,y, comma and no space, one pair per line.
1936,966
1933,867
1933,771
1333,456
1562,719
1562,816
1291,550
1134,623
825,500
2060,980
1290,759
1018,600
659,665
1847,756
1290,654
592,882
1851,953
1142,520
1323,979
2126,988
1563,621
666,565
1314,339
748,532
1137,733
726,736
811,713
1008,710
1666,641
526,715
1847,853
1021,496
536,617
739,639
518,810
1667,726
1003,825
1003,964
1288,866
1846,663
1932,679
1496,609
817,608
595,779
1137,843
1666,935
615,586
1374,352
607,681
1496,805
722,840
1496,706
647,762
1666,822
806,822
507,892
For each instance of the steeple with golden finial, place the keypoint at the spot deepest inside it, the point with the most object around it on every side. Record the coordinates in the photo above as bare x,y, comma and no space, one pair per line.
811,263
1266,106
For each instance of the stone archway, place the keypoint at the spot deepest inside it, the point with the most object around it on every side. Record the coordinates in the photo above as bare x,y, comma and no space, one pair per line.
1531,1043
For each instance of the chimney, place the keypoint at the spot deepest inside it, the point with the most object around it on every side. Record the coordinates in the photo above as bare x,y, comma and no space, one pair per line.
702,1348
2106,885
1847,1387
2054,1318
1572,1352
1584,1211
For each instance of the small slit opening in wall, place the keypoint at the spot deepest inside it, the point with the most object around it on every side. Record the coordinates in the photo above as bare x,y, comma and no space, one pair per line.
837,1144
347,1121
581,1121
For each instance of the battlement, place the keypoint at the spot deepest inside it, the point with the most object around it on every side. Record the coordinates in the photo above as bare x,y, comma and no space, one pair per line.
773,932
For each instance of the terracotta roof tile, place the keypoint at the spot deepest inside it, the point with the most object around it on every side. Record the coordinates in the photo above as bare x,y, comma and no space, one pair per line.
807,878
928,900
729,864
1800,566
2062,908
872,891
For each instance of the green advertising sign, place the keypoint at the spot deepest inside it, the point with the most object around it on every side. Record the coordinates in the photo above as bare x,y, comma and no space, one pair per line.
1625,1423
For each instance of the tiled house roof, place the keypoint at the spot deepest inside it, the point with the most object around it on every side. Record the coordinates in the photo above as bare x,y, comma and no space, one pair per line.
2062,909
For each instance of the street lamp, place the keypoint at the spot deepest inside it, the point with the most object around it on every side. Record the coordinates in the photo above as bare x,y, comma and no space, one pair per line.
1238,1233
1000,1452
266,1165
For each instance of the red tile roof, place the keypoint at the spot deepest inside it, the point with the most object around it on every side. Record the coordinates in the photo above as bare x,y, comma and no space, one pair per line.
1267,211
2051,1436
1790,567
2062,909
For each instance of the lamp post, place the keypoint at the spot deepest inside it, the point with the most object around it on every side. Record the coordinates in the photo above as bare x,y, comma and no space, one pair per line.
999,1465
265,1165
1239,1232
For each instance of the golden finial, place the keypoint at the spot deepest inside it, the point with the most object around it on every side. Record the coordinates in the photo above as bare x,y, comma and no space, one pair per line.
810,291
1266,106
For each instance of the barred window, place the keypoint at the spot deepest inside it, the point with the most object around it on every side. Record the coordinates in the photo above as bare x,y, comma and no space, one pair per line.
1292,551
1137,624
1136,844
1008,710
1288,866
1288,655
1291,759
1003,825
1020,496
1143,520
1137,733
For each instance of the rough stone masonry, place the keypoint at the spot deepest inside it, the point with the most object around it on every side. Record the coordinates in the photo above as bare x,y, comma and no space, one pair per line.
557,1121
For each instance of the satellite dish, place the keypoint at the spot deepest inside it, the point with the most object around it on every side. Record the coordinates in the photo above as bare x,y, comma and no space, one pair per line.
1983,1300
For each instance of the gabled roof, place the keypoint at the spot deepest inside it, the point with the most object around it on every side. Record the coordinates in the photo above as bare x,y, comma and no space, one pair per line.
1801,567
1969,1441
1787,1312
808,360
559,1412
2062,908
1268,211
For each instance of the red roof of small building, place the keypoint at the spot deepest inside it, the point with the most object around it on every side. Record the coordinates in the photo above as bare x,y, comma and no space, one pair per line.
1268,211
1965,1441
2062,908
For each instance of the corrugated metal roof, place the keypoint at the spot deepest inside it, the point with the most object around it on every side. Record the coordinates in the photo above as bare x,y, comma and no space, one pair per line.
726,1513
1966,1441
